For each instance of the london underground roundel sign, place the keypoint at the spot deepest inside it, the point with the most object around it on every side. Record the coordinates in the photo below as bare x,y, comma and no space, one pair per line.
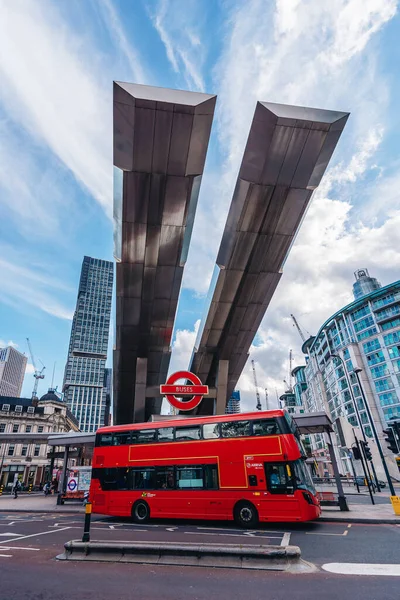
171,390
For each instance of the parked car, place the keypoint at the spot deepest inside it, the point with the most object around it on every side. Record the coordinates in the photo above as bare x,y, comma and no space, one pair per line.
360,479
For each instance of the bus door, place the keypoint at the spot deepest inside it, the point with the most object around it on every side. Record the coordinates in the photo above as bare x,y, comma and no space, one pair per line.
281,499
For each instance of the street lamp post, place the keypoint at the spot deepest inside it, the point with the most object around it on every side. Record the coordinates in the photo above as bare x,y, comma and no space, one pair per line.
392,491
358,416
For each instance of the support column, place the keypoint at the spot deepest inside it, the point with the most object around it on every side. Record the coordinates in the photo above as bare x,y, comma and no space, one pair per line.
62,484
341,497
139,411
222,387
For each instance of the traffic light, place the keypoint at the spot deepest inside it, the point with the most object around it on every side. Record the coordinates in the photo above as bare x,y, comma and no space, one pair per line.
367,450
356,453
391,440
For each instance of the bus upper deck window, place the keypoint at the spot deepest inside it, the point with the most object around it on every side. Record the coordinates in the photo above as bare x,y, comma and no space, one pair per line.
210,431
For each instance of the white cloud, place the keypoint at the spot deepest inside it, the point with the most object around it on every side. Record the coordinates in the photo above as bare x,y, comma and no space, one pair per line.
51,88
30,369
322,54
177,31
23,286
182,348
3,344
112,20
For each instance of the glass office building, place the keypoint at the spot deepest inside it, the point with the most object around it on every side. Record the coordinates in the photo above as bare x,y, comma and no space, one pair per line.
233,406
85,379
363,335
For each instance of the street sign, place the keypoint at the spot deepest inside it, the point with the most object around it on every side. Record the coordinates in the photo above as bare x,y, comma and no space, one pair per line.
195,389
72,484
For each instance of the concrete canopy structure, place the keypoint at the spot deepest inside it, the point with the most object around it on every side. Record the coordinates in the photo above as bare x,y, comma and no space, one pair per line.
287,152
160,143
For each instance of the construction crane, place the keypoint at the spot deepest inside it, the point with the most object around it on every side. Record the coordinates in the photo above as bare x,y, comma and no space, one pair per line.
289,387
258,405
266,398
303,337
37,374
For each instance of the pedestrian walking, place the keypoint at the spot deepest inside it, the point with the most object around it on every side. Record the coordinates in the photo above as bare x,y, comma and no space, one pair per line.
54,485
16,488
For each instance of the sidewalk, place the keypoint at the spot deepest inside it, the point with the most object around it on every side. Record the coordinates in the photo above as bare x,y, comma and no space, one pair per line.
38,503
361,513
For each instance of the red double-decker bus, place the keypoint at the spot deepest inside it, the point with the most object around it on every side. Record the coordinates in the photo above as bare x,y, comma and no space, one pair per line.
246,467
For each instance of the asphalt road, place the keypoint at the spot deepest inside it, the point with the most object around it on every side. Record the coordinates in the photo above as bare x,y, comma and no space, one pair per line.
30,542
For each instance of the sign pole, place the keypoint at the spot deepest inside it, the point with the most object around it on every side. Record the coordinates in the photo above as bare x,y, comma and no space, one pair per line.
86,528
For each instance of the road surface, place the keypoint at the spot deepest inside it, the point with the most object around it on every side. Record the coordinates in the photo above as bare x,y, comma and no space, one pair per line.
29,543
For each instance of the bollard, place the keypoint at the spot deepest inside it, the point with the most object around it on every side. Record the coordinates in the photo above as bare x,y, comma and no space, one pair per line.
86,529
1,490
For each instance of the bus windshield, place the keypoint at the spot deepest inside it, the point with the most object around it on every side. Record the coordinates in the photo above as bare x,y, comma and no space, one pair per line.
303,477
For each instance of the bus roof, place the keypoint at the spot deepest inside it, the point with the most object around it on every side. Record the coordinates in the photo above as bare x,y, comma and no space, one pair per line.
195,420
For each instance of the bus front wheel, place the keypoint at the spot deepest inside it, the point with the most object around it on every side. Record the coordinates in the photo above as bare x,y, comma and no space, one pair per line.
140,512
246,514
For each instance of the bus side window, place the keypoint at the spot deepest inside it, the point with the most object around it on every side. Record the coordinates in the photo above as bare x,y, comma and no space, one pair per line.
121,438
211,477
187,434
265,427
190,477
143,479
144,436
235,428
105,439
210,431
165,478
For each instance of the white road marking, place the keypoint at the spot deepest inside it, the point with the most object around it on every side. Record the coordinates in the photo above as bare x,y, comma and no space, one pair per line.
5,555
286,539
320,533
34,535
363,569
259,537
171,529
18,548
10,534
111,527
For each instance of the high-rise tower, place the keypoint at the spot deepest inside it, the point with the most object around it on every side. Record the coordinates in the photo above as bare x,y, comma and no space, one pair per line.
12,371
87,354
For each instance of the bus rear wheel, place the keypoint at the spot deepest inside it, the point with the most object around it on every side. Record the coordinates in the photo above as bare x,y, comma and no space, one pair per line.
245,514
140,512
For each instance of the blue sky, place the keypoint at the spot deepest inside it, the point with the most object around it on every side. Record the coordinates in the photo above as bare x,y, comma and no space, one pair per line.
57,64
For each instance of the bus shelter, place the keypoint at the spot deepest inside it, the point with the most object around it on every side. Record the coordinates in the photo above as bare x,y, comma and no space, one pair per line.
69,441
320,423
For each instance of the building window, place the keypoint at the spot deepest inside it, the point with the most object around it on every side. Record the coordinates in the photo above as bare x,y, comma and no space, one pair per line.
390,324
364,323
366,334
2,427
24,450
36,451
387,399
371,346
392,412
383,384
365,310
15,428
11,449
40,429
392,338
28,428
394,351
375,358
379,371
